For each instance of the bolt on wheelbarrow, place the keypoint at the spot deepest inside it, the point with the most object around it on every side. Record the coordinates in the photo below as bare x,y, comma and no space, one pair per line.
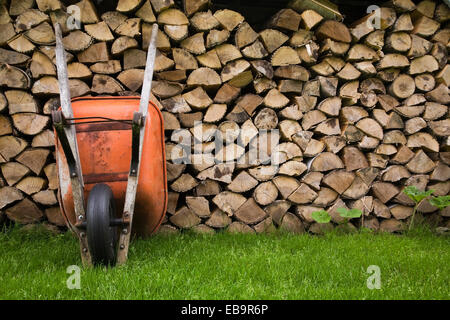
109,150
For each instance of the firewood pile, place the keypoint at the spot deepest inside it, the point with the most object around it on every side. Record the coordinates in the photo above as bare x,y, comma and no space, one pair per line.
338,116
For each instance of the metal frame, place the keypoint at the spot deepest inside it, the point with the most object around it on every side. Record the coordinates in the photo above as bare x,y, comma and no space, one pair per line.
139,121
64,127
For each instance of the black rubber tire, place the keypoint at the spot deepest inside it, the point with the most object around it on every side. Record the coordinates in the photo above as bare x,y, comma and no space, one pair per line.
102,238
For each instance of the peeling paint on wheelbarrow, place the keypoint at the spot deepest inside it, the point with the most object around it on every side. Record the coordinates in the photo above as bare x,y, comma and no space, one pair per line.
105,156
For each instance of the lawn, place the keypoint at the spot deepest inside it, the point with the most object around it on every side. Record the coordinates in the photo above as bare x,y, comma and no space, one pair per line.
278,266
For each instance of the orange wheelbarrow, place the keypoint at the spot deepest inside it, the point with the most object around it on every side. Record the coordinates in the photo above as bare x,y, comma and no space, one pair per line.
109,150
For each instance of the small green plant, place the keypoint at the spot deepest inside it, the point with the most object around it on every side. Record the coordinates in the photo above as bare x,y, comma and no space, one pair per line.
441,202
417,196
349,213
321,216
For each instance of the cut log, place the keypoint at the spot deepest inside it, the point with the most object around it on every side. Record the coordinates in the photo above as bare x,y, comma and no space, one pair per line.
205,77
20,101
384,191
166,89
44,139
420,163
221,172
256,51
123,43
245,35
326,161
12,57
339,180
210,59
242,183
273,39
285,56
266,119
286,19
423,64
216,37
95,53
13,172
185,218
325,197
11,146
228,19
218,219
184,183
229,202
131,28
275,99
5,126
198,98
18,7
265,193
99,31
250,213
55,216
21,44
403,23
13,77
194,44
78,71
103,84
34,159
31,185
303,195
402,87
24,212
334,30
292,224
425,26
77,41
310,19
398,42
199,206
419,46
423,140
29,123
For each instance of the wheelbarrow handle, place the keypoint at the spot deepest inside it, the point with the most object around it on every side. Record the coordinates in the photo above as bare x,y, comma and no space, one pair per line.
67,135
148,73
139,123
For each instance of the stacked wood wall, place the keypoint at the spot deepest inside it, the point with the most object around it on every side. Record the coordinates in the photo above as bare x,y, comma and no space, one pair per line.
361,112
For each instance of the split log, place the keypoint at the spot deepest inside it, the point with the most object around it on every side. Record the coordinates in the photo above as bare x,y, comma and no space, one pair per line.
265,193
250,213
26,211
31,185
185,218
229,202
229,19
218,219
103,84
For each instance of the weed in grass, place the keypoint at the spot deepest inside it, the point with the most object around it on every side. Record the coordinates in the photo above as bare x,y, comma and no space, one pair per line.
417,196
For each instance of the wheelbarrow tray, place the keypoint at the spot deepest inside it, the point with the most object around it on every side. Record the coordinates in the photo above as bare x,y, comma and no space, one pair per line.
105,156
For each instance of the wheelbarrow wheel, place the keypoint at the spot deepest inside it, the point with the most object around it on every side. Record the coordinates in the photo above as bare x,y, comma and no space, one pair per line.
102,237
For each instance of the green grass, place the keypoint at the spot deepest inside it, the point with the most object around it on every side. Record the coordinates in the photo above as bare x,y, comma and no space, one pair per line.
281,266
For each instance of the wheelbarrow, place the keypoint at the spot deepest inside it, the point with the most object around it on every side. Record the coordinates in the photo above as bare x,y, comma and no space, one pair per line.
110,151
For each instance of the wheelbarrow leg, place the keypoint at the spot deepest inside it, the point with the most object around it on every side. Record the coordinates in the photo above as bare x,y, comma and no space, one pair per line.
139,123
67,137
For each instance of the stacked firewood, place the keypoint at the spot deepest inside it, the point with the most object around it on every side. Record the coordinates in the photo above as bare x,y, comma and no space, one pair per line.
340,116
